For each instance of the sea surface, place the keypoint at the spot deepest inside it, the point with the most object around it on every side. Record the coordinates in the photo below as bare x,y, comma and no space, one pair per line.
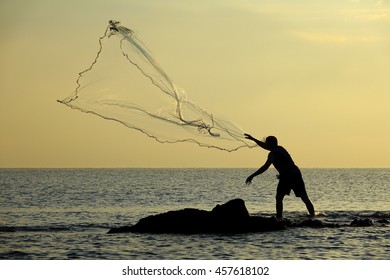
66,213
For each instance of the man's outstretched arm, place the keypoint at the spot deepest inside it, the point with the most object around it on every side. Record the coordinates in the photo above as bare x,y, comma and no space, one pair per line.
261,170
258,142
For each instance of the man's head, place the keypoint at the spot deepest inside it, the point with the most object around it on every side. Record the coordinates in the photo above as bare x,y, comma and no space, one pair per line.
271,142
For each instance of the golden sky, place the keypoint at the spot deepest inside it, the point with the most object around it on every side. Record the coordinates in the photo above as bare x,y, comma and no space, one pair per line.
313,73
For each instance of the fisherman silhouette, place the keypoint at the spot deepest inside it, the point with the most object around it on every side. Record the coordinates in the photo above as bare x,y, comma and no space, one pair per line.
290,177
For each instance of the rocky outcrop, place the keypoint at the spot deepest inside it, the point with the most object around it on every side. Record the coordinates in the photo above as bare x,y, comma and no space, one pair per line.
231,217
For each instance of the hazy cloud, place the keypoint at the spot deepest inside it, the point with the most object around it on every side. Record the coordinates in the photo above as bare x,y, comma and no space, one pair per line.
339,38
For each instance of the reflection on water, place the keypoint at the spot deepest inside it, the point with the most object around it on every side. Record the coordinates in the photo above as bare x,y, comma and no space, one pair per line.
64,214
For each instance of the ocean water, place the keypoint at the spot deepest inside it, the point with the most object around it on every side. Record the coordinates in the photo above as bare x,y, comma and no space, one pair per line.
66,213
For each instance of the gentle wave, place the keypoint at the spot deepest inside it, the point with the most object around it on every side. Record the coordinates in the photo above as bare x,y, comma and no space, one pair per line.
76,228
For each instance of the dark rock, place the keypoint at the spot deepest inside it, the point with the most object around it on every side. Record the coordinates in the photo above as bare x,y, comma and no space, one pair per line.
231,217
362,223
234,209
383,221
378,214
312,223
316,224
186,220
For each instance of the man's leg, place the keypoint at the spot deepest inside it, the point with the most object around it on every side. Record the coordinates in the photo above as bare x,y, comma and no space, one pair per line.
308,204
279,206
280,193
300,190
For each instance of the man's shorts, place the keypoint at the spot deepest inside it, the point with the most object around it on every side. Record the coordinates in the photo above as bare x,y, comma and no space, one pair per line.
291,181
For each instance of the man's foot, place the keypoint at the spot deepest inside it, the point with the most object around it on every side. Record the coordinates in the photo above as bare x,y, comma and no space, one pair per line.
317,214
279,218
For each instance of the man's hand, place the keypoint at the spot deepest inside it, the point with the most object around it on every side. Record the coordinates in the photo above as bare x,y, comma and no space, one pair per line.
248,136
249,180
258,142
